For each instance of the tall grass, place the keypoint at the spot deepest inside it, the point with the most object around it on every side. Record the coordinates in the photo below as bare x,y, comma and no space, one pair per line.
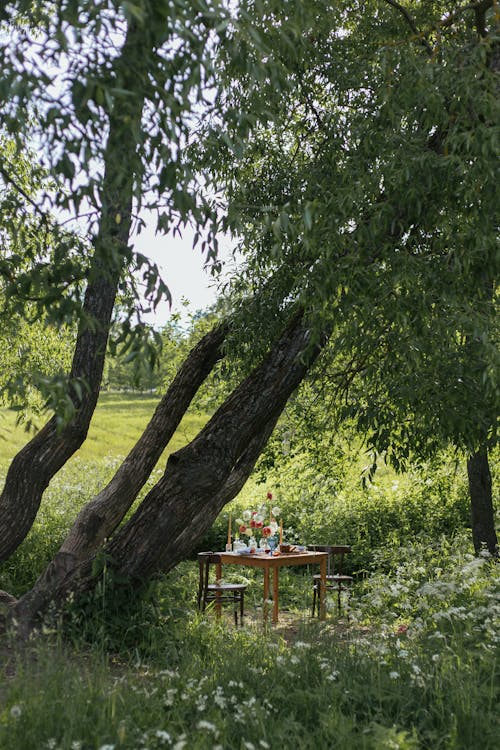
425,676
414,666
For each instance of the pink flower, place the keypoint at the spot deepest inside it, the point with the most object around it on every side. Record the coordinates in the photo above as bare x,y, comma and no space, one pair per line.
402,629
266,531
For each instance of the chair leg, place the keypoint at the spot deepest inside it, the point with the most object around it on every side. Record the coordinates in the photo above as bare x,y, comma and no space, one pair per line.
314,601
242,597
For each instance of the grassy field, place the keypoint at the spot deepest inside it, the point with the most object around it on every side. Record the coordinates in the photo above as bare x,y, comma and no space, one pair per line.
118,421
415,665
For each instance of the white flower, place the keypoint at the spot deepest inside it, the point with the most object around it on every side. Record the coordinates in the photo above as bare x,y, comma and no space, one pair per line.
333,676
16,711
162,735
276,511
180,745
247,514
208,726
170,697
394,675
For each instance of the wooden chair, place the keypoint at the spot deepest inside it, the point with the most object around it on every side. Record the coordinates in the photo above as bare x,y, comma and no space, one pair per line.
335,579
218,592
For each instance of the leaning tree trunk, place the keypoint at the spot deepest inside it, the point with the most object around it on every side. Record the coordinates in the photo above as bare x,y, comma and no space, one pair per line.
198,481
481,503
99,518
34,466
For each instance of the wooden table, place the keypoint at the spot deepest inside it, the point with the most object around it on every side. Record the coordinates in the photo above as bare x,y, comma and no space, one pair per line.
275,562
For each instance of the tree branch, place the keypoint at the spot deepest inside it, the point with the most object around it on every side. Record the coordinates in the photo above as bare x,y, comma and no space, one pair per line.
411,23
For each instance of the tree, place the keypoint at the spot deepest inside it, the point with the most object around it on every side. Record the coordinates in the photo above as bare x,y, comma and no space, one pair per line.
372,199
141,90
134,74
354,198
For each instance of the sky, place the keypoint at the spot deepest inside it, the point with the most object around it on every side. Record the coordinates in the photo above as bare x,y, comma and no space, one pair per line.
182,269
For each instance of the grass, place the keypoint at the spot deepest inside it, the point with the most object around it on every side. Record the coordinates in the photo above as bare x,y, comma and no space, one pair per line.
416,665
159,676
118,421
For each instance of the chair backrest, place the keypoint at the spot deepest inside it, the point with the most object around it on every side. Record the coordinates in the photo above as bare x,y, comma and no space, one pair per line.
336,554
205,559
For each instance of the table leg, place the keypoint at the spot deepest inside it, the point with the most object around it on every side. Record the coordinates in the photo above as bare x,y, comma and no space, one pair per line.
266,593
322,590
218,577
275,594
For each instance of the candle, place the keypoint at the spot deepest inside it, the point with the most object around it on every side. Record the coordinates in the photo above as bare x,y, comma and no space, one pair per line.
281,532
229,531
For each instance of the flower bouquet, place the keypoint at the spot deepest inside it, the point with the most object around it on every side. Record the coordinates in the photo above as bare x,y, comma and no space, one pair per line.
260,526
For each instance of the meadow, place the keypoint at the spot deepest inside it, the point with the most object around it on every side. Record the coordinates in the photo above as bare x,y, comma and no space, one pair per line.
412,661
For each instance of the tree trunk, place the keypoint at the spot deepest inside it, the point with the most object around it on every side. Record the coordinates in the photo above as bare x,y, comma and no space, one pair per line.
481,503
100,517
34,466
198,481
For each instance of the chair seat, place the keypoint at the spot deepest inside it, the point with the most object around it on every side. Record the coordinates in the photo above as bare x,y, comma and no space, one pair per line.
226,586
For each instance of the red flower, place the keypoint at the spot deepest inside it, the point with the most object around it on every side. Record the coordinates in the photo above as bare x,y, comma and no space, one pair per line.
258,524
266,531
253,524
269,495
242,529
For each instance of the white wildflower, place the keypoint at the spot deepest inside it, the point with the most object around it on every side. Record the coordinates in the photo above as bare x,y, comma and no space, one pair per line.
162,735
16,711
208,726
394,675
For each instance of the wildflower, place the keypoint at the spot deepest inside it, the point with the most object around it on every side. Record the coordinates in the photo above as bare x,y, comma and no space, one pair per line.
269,495
394,675
333,676
208,726
16,711
162,735
170,697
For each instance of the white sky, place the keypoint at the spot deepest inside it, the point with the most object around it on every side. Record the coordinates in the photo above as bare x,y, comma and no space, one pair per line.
182,269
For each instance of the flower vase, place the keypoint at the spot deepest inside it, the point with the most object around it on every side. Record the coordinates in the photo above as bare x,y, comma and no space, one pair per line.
252,543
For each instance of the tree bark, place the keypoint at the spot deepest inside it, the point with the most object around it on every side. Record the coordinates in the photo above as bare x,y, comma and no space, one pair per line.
100,517
481,503
34,466
198,481
202,475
